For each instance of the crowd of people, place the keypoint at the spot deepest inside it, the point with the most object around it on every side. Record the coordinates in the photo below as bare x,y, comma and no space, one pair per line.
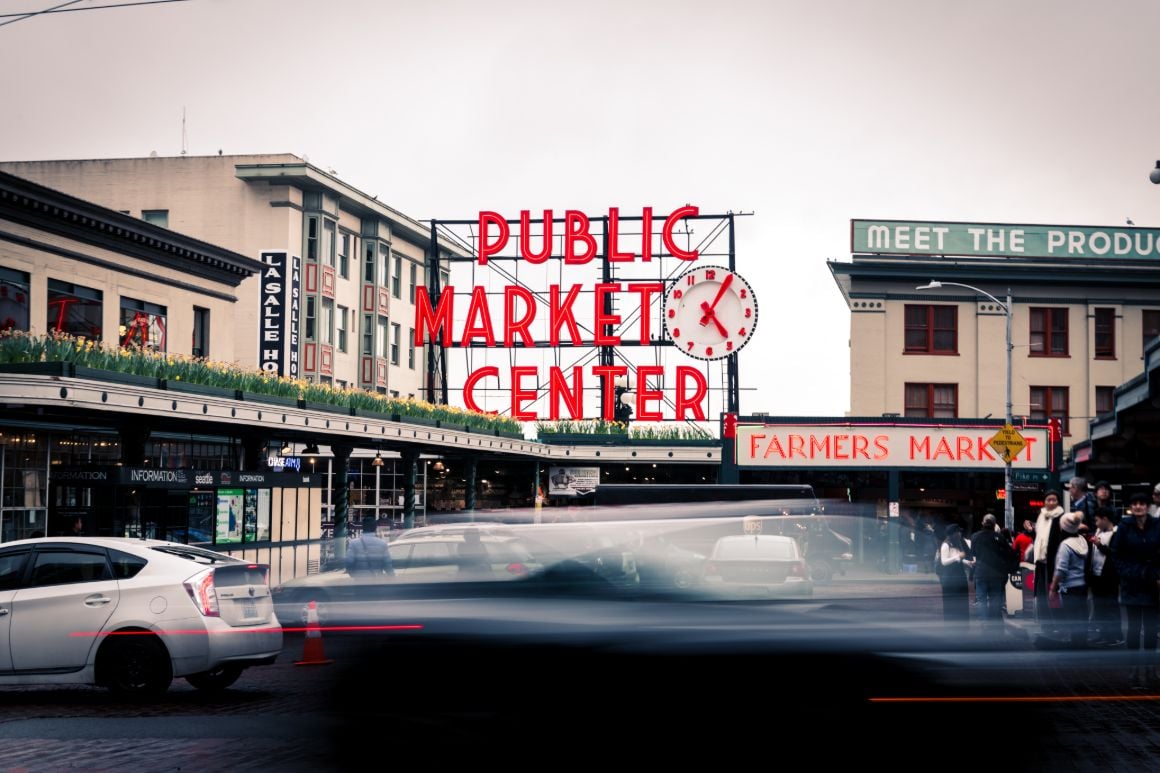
1096,573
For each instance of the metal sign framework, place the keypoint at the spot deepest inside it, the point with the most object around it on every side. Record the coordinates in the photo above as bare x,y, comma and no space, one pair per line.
711,235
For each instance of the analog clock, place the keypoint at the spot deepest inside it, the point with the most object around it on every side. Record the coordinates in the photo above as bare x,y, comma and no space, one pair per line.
710,312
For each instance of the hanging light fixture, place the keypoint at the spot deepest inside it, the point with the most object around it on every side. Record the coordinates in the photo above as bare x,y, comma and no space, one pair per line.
378,460
438,466
287,449
311,450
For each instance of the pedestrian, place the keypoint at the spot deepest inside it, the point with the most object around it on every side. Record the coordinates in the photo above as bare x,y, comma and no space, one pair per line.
1134,550
1069,580
368,555
474,560
995,560
954,561
1154,508
1023,541
1043,554
1082,501
1105,584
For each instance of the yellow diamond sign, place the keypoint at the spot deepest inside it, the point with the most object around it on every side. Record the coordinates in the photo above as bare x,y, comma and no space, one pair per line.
1007,442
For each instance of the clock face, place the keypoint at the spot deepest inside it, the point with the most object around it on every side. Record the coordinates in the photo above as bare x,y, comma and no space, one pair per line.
710,312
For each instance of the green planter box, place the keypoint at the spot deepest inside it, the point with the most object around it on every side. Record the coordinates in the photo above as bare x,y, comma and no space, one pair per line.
421,420
584,439
312,405
695,442
64,369
207,390
367,413
117,377
258,397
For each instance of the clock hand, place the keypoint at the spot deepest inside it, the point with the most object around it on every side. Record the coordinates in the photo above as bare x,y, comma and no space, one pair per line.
721,290
709,315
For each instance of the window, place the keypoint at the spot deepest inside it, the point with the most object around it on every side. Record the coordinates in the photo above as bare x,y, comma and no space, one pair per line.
73,309
369,262
931,330
932,400
1050,402
1105,400
343,319
395,343
52,567
368,335
414,281
411,348
311,321
200,332
382,334
1048,332
1105,325
384,264
1151,326
13,300
312,239
328,242
142,324
325,333
397,277
156,217
344,245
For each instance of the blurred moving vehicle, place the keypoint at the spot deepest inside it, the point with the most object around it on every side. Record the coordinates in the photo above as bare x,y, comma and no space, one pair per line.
131,614
761,565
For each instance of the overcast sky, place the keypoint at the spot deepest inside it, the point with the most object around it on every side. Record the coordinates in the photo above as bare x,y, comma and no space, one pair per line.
805,113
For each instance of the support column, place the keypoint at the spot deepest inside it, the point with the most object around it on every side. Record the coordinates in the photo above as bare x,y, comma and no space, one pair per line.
133,437
469,489
410,463
253,453
894,522
340,497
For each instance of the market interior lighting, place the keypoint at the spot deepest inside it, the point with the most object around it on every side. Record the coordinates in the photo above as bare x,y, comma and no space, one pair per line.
286,450
378,460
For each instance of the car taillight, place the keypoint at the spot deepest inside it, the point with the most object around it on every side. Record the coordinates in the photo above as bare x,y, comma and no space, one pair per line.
516,569
201,589
798,569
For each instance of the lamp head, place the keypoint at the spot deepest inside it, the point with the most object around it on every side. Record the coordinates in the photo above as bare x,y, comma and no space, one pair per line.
933,284
286,450
1155,175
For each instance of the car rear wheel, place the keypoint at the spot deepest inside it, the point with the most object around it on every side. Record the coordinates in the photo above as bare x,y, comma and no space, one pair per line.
216,679
135,665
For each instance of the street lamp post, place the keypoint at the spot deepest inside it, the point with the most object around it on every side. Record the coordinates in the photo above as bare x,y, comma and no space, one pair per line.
1008,504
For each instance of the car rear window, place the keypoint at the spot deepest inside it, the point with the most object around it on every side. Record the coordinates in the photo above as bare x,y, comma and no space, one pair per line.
198,555
753,548
125,565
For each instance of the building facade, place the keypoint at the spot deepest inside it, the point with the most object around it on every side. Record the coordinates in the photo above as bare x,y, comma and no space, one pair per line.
360,260
1084,303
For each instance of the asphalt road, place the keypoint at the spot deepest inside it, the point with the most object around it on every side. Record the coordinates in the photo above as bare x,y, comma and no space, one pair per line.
715,694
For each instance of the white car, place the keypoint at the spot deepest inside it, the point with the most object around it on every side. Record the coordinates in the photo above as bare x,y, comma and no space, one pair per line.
131,614
757,565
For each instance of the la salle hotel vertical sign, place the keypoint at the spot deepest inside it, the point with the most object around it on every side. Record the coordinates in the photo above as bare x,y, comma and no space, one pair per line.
278,331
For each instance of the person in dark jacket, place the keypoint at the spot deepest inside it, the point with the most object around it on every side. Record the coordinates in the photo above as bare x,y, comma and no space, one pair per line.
995,559
1105,583
954,561
1135,549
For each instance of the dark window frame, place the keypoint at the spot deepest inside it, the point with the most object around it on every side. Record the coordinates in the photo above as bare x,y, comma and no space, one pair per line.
1051,326
922,321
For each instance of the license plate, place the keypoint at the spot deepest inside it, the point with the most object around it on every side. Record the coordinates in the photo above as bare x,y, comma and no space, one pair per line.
249,608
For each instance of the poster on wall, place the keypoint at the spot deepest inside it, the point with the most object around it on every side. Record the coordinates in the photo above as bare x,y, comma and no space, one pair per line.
572,481
263,532
230,502
251,520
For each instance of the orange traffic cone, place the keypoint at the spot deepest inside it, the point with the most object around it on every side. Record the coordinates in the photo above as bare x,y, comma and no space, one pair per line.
312,654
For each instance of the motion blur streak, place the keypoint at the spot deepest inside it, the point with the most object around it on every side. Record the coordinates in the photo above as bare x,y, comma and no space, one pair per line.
265,629
1022,699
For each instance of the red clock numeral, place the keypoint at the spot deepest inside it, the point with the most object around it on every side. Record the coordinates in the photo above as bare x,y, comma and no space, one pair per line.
708,351
690,280
728,346
676,332
743,293
672,313
741,332
748,313
678,294
710,274
690,346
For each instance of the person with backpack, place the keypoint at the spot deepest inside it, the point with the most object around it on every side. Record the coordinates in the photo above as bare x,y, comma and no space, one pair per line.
995,561
368,555
1069,582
